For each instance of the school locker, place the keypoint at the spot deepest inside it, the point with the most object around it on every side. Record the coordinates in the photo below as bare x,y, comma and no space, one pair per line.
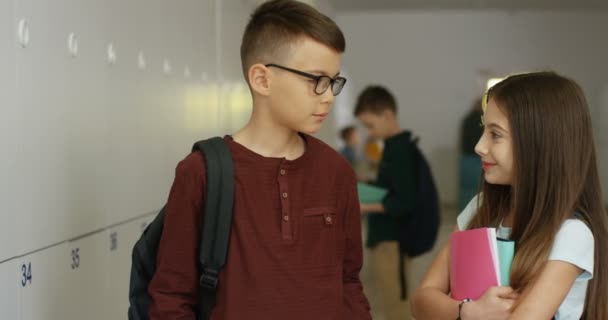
13,276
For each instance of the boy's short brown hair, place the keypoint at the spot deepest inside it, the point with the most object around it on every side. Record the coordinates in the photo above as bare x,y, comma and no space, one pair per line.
375,99
275,25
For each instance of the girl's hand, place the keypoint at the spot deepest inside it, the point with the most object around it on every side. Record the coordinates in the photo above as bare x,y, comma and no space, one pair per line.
495,304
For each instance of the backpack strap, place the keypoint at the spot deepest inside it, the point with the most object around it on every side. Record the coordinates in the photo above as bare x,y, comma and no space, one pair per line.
402,252
218,217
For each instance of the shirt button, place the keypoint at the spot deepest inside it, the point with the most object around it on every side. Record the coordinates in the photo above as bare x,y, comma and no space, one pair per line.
284,195
286,218
328,219
282,172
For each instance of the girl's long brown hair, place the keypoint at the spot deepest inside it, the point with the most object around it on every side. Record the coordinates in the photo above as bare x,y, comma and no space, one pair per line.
555,175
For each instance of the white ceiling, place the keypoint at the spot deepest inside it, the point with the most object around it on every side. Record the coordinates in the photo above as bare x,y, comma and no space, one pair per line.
359,5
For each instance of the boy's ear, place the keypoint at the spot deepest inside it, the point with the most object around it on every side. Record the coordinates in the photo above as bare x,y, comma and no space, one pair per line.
259,79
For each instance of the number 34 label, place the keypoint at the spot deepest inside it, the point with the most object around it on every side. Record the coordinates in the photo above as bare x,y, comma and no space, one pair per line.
26,274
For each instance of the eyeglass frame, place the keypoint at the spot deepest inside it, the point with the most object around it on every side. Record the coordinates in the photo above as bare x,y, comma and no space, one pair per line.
314,77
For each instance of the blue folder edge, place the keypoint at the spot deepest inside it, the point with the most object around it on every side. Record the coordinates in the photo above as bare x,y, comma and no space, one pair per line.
369,193
506,251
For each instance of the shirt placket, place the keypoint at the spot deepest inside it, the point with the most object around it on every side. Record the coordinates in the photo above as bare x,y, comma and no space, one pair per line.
286,220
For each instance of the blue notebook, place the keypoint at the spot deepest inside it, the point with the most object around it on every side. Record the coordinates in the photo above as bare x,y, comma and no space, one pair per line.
370,194
506,251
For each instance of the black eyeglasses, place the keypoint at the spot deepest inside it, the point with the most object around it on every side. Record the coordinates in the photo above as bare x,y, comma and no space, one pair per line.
322,83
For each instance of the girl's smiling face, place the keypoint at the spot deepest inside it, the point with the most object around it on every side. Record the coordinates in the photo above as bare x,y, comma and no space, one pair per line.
495,146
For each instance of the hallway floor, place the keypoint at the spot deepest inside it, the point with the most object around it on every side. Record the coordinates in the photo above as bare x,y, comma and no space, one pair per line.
418,266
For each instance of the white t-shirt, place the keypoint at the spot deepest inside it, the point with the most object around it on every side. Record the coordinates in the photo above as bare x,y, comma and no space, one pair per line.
573,244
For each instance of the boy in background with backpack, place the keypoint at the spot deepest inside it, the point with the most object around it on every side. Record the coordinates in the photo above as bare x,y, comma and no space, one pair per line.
295,243
376,108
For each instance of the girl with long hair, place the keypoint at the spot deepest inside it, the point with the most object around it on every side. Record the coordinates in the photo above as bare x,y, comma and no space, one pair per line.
540,188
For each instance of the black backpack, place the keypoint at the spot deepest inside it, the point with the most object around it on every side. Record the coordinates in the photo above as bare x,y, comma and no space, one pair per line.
418,232
214,240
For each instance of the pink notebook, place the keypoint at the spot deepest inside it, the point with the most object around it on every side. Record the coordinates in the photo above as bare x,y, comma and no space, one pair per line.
473,263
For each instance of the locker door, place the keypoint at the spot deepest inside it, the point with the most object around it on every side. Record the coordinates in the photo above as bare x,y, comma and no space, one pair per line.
120,245
45,277
9,132
87,285
46,167
12,279
135,131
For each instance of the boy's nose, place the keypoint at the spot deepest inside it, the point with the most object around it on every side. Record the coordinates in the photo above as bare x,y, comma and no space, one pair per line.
328,96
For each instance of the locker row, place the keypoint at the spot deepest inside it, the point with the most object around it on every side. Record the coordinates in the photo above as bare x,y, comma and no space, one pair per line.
73,45
88,276
88,137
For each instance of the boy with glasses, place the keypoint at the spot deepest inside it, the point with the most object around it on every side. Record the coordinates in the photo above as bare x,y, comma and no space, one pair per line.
295,247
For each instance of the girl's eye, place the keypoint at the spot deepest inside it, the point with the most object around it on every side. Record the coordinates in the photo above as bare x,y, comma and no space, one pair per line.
495,135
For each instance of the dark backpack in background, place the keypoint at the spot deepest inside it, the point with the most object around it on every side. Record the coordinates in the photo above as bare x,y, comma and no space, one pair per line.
214,239
418,232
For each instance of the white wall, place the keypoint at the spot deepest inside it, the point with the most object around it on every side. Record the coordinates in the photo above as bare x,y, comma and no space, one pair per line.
89,147
432,61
